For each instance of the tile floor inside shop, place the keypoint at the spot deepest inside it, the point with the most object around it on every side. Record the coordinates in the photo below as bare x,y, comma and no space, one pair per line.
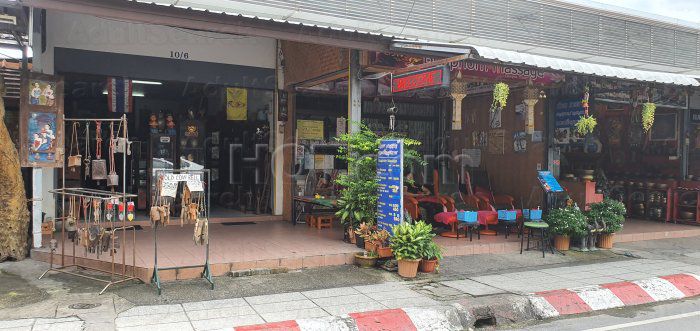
280,244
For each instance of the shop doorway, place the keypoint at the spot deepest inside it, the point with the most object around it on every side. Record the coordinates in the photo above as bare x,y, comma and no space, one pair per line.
184,125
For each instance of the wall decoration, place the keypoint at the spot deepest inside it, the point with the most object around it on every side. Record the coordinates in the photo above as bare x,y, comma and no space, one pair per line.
479,139
665,127
496,141
236,104
537,136
312,130
41,121
520,141
495,118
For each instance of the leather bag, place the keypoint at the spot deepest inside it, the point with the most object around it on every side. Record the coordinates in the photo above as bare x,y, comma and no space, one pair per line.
99,165
75,160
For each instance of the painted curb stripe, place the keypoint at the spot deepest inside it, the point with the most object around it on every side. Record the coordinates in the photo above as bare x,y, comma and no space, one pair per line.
277,326
542,308
565,302
660,289
598,298
687,284
431,319
382,320
629,293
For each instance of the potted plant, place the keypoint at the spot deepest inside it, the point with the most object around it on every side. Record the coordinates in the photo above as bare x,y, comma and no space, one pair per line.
408,243
379,239
362,234
432,253
358,197
500,96
611,213
648,111
366,259
565,223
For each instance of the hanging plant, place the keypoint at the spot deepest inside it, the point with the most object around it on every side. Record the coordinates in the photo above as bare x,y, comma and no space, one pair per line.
586,125
648,110
500,96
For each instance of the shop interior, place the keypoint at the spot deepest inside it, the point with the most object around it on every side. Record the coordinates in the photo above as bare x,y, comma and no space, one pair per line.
180,125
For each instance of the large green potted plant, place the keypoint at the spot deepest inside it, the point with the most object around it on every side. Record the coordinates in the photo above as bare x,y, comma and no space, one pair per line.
611,213
408,243
359,193
565,223
431,255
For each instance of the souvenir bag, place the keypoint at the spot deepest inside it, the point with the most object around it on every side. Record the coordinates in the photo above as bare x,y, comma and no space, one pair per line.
71,222
74,160
201,226
121,144
154,212
184,209
87,160
99,165
112,177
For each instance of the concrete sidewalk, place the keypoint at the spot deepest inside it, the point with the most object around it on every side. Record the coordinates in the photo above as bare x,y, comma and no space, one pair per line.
496,291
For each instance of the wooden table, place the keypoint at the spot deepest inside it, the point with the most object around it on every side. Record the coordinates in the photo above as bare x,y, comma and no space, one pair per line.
298,203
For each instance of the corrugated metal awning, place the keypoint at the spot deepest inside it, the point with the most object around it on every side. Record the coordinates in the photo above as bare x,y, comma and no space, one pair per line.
546,62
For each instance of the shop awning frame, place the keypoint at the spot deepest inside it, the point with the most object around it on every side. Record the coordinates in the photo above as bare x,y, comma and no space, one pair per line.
545,62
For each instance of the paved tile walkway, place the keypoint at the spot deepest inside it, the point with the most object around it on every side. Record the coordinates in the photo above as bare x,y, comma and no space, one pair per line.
228,313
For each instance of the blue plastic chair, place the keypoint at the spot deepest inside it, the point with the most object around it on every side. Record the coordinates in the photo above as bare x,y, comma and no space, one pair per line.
471,221
508,218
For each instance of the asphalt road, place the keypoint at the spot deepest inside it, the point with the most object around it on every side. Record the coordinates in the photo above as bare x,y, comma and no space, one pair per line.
676,316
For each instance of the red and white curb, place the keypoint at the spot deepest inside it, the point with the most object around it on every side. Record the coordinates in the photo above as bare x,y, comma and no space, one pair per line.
390,319
590,298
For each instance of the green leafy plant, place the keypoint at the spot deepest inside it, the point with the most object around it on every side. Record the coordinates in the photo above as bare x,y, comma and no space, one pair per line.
610,212
586,125
432,251
567,221
648,111
411,239
358,196
500,95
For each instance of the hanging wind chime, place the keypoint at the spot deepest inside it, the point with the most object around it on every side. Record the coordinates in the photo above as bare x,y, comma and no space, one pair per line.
532,96
458,91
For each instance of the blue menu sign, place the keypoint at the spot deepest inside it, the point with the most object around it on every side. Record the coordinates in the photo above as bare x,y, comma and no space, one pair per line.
548,182
390,178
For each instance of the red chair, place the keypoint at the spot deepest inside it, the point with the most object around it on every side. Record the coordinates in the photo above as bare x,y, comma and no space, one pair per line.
410,204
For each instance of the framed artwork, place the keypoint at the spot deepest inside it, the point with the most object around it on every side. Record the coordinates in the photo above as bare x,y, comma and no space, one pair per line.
41,121
496,141
665,127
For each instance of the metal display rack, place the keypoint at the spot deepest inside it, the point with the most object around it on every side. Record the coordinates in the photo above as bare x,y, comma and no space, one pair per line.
115,277
206,268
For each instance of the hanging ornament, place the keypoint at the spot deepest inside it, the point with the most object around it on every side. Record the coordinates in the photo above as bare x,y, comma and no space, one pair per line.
532,96
458,91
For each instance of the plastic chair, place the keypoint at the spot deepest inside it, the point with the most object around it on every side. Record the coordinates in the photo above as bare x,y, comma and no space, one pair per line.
534,222
471,221
508,218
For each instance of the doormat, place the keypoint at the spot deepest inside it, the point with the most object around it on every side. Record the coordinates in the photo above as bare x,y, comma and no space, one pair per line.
237,223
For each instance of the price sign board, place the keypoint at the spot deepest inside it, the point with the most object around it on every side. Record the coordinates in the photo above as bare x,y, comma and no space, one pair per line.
168,188
548,182
390,178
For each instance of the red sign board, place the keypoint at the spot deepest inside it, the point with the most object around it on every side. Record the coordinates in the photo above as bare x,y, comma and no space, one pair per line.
428,78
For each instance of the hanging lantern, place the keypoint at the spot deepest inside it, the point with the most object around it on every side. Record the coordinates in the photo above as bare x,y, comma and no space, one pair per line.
532,96
458,91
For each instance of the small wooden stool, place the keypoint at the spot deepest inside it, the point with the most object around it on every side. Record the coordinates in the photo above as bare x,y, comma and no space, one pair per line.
324,221
311,220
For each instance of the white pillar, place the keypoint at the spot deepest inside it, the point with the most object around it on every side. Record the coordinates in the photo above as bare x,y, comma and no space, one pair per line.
37,197
355,91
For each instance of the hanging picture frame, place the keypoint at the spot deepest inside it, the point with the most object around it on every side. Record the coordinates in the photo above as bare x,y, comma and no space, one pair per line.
42,143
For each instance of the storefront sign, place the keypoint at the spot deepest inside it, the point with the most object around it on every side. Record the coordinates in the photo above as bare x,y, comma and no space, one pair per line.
309,130
168,188
695,116
390,178
236,104
41,121
670,96
566,114
423,79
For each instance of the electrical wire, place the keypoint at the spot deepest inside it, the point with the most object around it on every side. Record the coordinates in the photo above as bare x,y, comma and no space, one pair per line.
407,17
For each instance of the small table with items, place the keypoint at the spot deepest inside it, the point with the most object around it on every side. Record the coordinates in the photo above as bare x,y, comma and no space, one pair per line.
325,205
484,217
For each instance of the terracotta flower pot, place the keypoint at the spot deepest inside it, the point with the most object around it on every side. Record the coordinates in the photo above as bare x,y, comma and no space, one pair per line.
384,252
561,243
370,246
408,268
363,261
428,266
605,240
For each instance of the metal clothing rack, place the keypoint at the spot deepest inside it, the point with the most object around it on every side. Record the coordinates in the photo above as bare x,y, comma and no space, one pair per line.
206,268
115,276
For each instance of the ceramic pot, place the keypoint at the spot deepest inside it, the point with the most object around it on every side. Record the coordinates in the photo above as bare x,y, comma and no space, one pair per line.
370,246
605,240
561,242
408,268
363,261
384,252
427,266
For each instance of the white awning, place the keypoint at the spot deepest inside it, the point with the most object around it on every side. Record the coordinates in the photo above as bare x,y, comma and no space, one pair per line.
546,62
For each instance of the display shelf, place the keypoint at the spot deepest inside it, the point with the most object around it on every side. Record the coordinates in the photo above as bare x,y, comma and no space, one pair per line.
685,200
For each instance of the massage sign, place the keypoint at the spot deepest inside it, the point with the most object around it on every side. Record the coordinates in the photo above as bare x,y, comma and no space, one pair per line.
420,80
